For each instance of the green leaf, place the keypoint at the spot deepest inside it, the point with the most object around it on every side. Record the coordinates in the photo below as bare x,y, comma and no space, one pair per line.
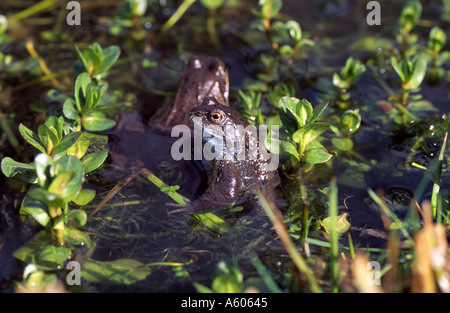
292,109
397,68
41,163
214,222
315,153
304,112
54,124
110,56
48,137
418,74
40,251
31,137
417,107
76,237
272,141
64,164
122,271
52,254
10,168
212,4
343,144
84,197
294,30
97,121
137,7
227,278
342,225
42,195
410,15
66,142
270,8
93,161
317,112
310,132
96,49
3,24
82,58
59,183
79,148
82,88
287,112
289,147
93,58
226,284
201,288
437,39
339,82
307,134
70,111
79,216
36,209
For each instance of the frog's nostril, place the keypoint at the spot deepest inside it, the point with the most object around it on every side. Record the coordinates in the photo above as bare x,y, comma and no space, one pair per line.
210,101
195,62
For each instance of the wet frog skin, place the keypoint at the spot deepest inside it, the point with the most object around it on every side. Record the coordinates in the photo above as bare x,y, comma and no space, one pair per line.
230,180
204,77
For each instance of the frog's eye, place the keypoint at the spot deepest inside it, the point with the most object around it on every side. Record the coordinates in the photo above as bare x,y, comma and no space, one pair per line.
216,116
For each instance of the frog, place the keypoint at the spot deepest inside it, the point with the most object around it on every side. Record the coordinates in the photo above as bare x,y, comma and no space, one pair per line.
232,180
203,87
204,77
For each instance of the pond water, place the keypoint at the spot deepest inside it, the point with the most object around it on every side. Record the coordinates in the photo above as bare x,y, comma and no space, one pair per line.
135,224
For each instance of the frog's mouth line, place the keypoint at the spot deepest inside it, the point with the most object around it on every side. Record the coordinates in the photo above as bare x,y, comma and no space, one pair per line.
228,143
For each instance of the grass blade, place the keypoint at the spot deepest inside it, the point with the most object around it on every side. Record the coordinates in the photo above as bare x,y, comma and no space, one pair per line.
334,250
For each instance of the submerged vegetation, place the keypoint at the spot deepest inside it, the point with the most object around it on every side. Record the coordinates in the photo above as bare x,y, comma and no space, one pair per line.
364,158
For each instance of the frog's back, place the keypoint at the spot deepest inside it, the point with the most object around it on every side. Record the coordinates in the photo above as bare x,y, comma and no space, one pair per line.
204,77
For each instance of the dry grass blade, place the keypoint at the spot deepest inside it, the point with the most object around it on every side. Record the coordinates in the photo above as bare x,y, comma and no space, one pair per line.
277,221
364,281
431,272
115,190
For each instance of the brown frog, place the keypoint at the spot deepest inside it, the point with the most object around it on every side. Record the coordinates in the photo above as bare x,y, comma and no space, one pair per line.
202,100
239,169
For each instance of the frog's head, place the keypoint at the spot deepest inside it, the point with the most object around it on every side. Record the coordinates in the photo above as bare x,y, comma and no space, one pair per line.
212,113
220,123
212,76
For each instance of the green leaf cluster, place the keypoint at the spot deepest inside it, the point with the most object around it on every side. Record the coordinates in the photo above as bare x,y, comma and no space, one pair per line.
411,72
98,61
349,74
299,120
86,108
251,100
409,16
269,8
433,52
57,172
